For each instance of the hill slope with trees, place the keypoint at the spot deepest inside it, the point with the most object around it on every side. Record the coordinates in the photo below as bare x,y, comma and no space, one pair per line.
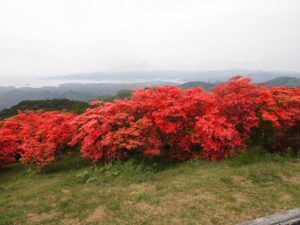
45,105
284,81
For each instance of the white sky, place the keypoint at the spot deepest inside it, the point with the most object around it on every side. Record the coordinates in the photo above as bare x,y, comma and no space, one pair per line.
55,37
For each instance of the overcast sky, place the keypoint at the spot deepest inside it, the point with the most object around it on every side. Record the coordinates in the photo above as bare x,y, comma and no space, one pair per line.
55,37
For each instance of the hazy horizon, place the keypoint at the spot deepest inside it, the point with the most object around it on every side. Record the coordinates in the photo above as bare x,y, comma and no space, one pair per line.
142,77
61,37
58,75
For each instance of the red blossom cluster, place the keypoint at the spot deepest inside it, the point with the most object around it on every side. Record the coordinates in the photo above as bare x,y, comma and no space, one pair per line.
160,122
35,137
8,146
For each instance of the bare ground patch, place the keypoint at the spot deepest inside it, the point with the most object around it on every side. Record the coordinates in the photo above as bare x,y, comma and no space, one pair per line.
240,181
68,221
153,209
35,218
135,189
240,198
292,179
98,215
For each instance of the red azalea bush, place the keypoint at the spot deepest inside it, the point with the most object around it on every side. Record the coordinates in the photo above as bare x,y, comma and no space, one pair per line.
155,121
239,102
281,108
161,122
181,125
9,141
265,115
8,147
173,113
36,137
110,132
217,137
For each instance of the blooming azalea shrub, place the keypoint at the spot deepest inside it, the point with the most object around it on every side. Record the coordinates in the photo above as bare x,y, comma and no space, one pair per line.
281,108
239,102
181,125
173,113
36,137
154,122
217,137
8,147
112,132
161,122
9,141
269,115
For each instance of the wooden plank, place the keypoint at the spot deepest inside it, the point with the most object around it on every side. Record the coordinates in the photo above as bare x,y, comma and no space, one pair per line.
290,217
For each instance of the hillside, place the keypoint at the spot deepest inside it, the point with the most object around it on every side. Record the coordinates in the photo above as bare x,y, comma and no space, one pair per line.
284,81
16,95
45,105
280,81
136,192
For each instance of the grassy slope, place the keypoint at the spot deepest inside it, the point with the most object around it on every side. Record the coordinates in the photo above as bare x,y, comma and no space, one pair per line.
73,192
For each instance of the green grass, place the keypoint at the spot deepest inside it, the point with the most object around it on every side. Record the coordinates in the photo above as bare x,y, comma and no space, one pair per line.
139,192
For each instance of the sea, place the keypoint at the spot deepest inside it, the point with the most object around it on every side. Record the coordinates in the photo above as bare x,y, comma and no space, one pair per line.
37,83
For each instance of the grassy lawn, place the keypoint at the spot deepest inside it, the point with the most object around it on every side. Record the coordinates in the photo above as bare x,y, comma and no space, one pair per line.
133,192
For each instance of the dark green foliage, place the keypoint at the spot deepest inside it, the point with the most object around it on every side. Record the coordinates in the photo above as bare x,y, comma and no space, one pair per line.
276,141
105,98
123,93
204,85
46,105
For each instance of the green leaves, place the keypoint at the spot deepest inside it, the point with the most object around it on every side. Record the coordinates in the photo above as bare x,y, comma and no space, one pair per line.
85,177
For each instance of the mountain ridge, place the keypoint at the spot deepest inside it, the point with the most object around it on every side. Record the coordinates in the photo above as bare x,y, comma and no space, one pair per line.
10,96
184,76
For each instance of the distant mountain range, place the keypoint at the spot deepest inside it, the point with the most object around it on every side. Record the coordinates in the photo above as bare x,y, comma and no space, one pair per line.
10,96
284,81
280,81
182,76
